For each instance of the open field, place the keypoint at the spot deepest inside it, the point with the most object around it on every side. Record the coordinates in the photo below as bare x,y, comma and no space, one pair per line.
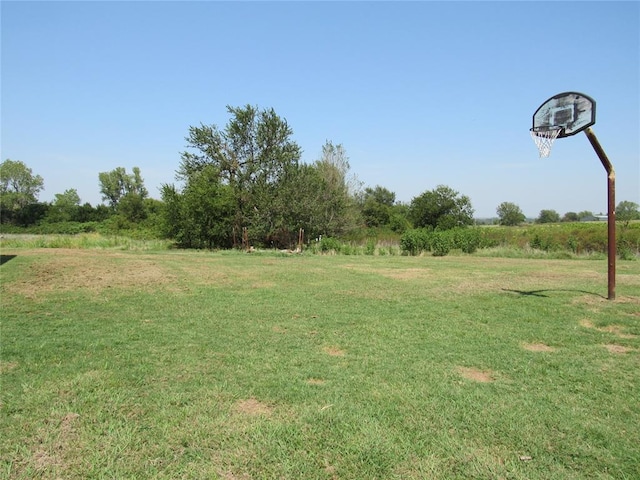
168,364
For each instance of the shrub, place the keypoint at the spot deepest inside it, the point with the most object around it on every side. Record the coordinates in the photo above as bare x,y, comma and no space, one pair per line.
416,241
347,249
370,248
441,243
328,244
467,239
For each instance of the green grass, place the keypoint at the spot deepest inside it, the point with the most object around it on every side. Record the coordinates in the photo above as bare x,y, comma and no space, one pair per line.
169,364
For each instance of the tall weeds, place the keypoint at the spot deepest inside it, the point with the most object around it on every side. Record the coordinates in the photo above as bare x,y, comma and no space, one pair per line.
84,240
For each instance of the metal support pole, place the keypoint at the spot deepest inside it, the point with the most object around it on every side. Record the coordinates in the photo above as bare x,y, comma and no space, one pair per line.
611,210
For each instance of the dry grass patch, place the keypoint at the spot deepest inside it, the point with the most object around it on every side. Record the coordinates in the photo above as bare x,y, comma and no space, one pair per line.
232,476
252,407
68,270
476,375
334,351
616,330
595,300
471,286
405,273
393,273
538,347
226,475
6,367
315,381
617,349
52,456
625,299
586,323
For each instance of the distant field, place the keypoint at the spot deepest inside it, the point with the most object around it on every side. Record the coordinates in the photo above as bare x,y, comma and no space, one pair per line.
169,364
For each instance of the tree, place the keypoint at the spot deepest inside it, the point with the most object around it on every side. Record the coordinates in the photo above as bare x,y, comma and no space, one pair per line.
338,210
548,216
585,214
132,207
399,221
65,206
441,208
255,157
87,213
510,214
377,206
200,216
19,187
570,217
117,183
627,211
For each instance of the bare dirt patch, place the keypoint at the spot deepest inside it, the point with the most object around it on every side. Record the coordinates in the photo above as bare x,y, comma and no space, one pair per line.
538,347
252,407
473,374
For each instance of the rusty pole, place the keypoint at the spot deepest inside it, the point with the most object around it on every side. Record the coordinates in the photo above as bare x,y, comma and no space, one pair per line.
611,210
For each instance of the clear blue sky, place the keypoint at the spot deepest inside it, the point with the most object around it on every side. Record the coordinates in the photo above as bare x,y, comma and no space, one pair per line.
418,93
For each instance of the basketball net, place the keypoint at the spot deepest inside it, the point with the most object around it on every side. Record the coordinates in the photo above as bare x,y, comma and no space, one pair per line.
544,139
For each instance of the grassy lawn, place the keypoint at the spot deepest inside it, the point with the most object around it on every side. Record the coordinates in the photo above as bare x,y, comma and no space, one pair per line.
121,364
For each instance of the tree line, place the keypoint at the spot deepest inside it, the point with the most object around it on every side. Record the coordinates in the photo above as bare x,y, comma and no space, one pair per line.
245,182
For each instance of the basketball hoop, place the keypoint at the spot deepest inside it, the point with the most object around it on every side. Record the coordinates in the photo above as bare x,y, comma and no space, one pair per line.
567,114
544,138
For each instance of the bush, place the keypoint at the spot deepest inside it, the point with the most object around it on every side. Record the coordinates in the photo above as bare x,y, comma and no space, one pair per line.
370,248
467,239
441,243
328,244
416,241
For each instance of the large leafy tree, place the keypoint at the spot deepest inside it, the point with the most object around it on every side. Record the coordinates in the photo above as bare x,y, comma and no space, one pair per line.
337,207
377,206
441,208
585,215
65,206
19,188
125,193
510,214
117,184
627,211
255,157
570,217
201,215
548,216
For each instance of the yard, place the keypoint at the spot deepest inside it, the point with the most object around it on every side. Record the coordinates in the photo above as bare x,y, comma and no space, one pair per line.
171,364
